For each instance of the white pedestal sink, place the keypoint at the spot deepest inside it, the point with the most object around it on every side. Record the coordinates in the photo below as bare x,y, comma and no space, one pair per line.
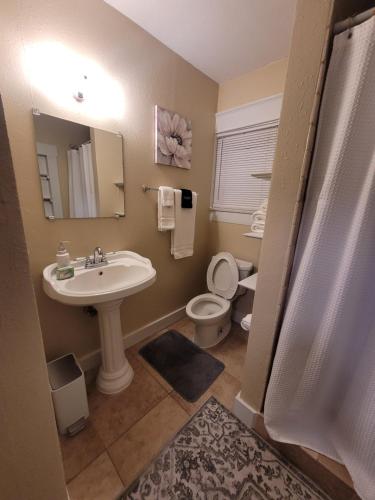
105,288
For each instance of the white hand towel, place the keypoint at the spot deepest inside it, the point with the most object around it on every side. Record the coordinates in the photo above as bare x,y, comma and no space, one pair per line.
264,205
246,322
257,227
257,217
182,237
167,196
166,213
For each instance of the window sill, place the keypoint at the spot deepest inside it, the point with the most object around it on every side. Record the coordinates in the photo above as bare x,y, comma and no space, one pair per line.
230,217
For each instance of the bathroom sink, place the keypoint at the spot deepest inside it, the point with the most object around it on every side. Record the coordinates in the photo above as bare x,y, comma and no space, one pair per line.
105,287
125,274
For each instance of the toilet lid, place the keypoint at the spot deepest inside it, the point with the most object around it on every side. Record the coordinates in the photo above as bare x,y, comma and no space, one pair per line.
222,275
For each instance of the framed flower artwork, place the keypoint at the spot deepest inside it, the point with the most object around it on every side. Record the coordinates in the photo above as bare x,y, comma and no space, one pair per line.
173,139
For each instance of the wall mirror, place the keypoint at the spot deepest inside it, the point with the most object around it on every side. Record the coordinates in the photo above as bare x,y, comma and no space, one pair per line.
81,169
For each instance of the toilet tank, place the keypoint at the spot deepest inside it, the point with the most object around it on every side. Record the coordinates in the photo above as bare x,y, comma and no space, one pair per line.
244,268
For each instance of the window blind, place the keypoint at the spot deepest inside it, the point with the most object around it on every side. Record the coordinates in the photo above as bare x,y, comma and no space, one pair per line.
239,154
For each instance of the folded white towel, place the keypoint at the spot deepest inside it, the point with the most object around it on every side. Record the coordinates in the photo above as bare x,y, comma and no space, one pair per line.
246,322
264,205
166,215
167,196
257,217
257,227
182,237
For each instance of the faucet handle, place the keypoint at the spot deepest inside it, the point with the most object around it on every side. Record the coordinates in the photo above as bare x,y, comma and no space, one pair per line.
99,255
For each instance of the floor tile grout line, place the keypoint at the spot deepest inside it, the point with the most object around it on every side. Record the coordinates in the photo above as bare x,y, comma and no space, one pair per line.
123,435
86,466
106,448
165,396
116,469
136,421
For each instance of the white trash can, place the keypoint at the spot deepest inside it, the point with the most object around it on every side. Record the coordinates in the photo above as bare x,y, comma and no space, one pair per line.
69,395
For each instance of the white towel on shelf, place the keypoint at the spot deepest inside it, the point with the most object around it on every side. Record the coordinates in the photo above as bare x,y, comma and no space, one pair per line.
259,217
257,227
182,237
246,322
264,205
166,213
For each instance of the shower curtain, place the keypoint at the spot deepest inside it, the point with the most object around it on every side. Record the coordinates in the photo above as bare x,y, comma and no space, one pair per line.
321,392
82,199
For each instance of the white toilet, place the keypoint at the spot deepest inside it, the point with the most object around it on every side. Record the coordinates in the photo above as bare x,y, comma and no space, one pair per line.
211,312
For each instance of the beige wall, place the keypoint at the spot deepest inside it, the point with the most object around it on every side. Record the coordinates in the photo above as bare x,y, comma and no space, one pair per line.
108,162
149,74
306,63
30,461
228,237
263,82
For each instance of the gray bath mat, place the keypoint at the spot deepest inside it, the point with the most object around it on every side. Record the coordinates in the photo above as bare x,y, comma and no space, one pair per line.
184,365
215,456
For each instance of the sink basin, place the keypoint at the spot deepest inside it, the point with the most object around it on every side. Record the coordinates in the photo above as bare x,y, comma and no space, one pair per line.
105,287
125,274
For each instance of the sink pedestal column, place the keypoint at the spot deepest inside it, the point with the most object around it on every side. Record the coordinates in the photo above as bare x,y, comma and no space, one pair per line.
115,373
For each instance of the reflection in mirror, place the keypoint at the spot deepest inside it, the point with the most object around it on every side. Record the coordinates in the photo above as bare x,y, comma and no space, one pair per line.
81,169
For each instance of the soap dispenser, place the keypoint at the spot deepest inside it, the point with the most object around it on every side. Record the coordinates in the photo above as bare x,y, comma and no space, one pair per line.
64,268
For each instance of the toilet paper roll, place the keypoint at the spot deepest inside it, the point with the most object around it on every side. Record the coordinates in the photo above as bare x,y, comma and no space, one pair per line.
246,322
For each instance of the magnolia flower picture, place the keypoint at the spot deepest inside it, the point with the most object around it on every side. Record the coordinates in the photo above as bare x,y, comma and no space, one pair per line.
173,139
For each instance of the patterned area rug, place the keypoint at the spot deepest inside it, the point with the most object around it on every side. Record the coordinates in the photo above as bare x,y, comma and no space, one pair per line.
215,456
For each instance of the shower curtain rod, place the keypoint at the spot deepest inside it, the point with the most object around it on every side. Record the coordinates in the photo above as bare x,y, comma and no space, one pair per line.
350,22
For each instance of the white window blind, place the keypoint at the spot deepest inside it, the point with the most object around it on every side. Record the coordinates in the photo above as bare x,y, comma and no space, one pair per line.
239,154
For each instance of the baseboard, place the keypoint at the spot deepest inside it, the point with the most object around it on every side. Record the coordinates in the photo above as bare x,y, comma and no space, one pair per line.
244,411
93,358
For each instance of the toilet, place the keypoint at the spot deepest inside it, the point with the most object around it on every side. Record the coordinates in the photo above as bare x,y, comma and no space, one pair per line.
211,312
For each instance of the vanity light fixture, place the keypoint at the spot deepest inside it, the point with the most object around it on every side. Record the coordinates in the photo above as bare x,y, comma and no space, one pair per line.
79,95
58,72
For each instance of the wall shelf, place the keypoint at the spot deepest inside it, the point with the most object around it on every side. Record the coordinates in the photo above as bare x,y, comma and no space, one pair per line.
250,282
253,235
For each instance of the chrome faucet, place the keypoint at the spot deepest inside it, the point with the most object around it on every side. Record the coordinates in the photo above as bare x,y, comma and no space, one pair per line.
98,259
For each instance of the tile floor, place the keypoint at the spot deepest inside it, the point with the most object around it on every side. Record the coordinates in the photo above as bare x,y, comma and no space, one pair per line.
125,432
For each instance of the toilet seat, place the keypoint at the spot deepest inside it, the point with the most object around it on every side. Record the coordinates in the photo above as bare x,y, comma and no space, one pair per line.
207,307
222,275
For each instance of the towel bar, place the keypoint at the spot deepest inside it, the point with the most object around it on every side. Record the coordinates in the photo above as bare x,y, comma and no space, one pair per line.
149,188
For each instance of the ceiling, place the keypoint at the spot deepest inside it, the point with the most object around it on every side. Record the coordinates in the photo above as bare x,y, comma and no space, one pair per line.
222,38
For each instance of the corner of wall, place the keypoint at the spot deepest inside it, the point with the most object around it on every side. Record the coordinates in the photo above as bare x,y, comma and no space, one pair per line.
296,130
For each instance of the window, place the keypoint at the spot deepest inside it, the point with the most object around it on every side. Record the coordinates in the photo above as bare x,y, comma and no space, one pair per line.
245,147
244,159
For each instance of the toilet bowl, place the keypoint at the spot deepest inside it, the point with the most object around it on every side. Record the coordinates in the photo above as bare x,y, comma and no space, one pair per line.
211,312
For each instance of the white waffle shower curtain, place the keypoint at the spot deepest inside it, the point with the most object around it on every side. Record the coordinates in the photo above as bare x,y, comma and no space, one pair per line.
82,199
322,388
